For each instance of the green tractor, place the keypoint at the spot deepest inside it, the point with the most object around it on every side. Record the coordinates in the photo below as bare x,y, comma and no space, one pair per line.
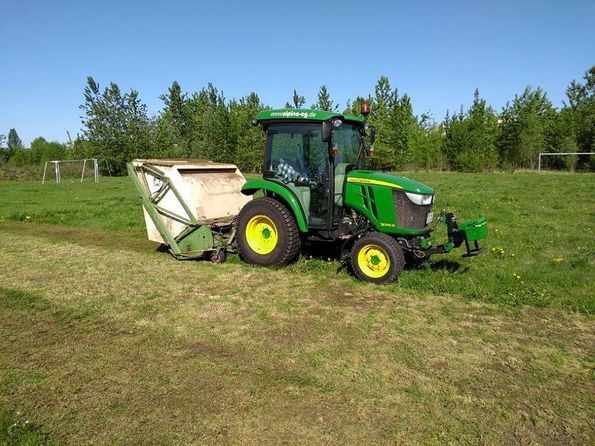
316,189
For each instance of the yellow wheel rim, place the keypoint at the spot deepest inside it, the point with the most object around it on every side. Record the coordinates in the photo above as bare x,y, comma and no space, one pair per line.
373,260
261,234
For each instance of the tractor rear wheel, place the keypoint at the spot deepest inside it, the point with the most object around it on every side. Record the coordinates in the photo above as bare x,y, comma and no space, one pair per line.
267,233
377,257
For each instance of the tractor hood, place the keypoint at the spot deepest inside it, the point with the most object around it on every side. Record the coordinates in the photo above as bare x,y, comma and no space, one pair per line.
384,179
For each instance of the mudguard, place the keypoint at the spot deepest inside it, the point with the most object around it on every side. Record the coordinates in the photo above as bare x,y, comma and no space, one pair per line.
252,186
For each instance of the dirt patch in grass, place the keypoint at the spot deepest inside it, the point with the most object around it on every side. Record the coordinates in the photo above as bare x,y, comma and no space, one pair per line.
125,240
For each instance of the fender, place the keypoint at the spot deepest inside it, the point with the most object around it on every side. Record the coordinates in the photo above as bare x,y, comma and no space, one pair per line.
252,186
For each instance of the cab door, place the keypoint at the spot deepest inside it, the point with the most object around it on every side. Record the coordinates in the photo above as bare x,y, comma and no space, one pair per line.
299,159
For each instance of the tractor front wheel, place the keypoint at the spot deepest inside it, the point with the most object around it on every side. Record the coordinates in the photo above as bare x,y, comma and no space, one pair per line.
377,258
267,233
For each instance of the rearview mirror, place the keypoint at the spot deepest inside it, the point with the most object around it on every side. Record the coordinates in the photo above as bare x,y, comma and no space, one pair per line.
327,131
372,134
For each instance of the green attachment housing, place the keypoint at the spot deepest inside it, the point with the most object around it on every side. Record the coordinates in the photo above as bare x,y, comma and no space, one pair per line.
474,229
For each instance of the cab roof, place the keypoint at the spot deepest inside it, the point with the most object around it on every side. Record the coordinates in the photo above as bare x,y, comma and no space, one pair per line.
304,114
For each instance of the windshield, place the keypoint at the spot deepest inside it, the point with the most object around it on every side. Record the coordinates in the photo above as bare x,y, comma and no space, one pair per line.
348,140
299,146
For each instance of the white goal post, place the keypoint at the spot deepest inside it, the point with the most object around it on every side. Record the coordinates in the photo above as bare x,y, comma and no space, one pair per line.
558,154
57,163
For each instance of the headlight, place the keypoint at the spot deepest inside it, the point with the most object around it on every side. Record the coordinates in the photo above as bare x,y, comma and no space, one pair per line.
420,199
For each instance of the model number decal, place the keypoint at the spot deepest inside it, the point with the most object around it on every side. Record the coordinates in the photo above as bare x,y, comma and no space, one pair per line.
369,181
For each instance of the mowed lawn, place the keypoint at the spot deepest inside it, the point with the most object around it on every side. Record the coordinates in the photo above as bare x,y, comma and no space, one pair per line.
106,340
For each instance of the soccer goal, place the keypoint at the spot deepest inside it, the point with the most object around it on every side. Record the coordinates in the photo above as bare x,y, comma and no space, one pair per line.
559,154
72,167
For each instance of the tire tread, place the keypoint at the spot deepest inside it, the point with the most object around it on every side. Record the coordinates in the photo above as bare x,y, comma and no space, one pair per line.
293,241
398,259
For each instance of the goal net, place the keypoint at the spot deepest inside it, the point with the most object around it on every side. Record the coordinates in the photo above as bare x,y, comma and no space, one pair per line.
569,159
72,170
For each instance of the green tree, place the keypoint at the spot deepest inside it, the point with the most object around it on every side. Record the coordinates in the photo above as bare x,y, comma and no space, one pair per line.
249,140
297,101
403,126
42,151
174,126
393,117
580,113
382,107
116,125
13,143
526,129
396,125
211,136
324,100
470,137
427,144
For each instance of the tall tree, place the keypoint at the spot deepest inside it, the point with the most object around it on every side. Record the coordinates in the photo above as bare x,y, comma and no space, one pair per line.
297,101
249,140
403,125
175,123
525,126
383,106
14,141
470,137
324,101
42,151
116,125
580,112
427,144
211,137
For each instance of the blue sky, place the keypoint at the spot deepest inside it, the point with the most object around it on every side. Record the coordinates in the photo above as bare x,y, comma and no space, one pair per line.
436,51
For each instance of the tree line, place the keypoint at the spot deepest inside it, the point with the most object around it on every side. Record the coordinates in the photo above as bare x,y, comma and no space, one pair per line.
206,125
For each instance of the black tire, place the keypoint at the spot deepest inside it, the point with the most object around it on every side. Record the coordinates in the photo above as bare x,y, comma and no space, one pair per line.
288,242
218,256
377,247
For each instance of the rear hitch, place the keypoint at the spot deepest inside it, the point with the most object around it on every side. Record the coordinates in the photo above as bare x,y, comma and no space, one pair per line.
419,254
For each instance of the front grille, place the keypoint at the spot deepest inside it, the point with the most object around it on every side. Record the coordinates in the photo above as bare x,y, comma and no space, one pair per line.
410,215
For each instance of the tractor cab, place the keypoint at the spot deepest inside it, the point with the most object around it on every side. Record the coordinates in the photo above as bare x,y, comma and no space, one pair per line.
310,152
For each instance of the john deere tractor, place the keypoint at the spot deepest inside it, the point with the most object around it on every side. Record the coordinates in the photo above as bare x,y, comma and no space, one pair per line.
316,189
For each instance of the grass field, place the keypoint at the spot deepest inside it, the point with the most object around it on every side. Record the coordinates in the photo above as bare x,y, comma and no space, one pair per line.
105,340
